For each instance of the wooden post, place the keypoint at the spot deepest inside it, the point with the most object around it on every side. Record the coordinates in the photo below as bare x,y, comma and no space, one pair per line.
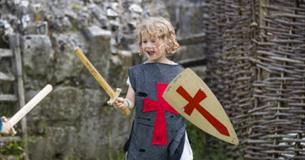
15,46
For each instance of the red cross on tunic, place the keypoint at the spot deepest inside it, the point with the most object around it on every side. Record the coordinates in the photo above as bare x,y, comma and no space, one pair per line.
160,106
193,103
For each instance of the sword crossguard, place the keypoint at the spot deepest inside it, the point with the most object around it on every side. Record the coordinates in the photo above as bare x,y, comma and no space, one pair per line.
13,131
116,95
118,91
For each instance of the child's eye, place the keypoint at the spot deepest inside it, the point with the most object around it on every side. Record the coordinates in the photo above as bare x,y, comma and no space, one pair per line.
144,41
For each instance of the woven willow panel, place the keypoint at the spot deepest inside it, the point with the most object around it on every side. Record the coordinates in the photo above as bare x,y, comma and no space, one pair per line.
256,68
277,127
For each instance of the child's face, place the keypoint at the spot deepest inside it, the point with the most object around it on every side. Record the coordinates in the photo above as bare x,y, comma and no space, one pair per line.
153,48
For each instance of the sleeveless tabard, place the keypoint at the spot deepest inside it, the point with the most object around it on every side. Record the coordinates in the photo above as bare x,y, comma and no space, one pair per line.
146,80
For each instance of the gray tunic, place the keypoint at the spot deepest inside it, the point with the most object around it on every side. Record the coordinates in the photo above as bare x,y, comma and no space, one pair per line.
144,79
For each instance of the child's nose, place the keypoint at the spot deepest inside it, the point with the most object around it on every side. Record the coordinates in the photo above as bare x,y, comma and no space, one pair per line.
149,45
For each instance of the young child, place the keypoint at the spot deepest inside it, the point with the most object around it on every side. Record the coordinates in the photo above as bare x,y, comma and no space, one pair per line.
158,131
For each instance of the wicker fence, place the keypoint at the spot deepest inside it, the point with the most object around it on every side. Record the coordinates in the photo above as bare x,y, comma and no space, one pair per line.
257,69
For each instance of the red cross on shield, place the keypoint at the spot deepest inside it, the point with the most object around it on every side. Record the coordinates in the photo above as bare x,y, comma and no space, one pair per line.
193,99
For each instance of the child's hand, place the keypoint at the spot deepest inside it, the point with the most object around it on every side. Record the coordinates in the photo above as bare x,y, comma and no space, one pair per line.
6,127
120,103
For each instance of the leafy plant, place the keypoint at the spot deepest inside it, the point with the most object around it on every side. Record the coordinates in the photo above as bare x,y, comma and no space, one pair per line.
13,148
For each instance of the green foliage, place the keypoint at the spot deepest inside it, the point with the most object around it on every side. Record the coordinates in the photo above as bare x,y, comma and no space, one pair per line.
201,145
13,148
115,154
197,140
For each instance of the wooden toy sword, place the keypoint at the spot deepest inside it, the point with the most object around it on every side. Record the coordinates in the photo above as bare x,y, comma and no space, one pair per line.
102,82
30,105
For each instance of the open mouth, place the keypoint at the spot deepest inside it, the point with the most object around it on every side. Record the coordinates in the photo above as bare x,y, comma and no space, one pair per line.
150,53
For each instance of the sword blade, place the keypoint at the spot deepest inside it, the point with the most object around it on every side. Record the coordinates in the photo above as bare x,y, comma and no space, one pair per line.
30,105
99,78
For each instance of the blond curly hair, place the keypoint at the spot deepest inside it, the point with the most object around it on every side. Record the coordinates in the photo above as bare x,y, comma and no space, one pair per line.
158,27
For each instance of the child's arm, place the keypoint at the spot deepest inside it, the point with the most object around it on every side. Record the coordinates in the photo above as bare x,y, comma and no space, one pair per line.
126,102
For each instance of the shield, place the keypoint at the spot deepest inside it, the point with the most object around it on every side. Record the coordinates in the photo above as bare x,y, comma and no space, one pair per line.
193,99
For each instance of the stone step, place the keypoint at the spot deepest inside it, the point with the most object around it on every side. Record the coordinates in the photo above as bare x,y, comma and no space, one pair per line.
5,53
192,39
10,138
8,97
194,62
7,77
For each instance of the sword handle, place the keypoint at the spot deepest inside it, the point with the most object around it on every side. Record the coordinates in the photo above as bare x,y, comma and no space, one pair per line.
117,93
125,111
